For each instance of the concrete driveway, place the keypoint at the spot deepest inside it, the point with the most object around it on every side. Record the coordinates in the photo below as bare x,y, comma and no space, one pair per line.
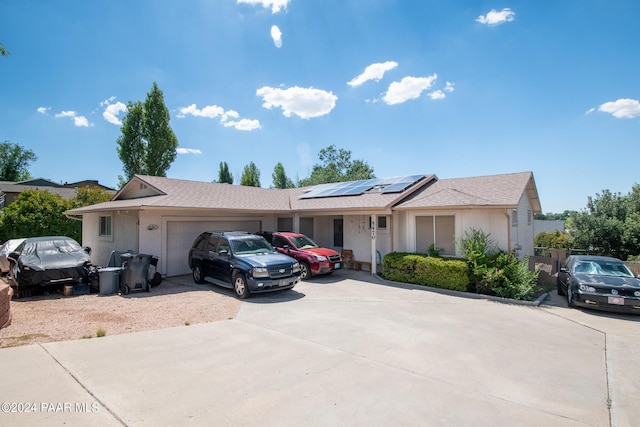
346,349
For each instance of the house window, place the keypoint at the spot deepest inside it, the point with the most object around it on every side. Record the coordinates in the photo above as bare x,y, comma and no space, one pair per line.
105,226
529,217
514,218
338,232
382,222
436,231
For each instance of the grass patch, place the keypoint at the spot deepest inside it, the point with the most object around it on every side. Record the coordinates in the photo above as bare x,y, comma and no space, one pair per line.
187,323
18,341
101,332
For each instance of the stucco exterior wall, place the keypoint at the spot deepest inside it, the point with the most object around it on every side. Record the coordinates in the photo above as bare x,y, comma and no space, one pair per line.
124,232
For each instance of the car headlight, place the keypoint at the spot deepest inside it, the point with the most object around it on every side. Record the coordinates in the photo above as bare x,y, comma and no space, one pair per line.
637,293
296,268
320,258
585,288
260,272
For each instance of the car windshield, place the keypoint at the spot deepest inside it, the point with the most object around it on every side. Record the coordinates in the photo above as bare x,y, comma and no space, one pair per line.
303,242
250,246
603,268
50,246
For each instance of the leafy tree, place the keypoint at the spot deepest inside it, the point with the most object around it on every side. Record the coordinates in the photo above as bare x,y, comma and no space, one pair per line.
610,225
37,213
552,239
336,166
224,176
90,195
3,51
41,213
14,161
554,216
147,145
250,176
280,178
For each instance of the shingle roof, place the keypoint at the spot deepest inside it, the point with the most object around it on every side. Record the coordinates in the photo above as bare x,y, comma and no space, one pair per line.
144,191
492,190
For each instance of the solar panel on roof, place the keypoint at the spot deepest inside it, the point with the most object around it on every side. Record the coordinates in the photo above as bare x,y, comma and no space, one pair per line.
395,184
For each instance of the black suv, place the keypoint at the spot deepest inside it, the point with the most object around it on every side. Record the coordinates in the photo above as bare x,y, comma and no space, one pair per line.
242,261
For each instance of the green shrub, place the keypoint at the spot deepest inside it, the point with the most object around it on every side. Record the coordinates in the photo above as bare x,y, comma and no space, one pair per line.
422,269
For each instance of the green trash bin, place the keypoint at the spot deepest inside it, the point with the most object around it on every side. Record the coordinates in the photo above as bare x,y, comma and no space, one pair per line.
109,280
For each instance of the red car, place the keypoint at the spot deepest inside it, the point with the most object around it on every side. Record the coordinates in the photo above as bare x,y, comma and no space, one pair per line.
313,259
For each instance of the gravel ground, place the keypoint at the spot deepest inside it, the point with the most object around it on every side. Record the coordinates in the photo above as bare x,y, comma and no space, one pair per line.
177,301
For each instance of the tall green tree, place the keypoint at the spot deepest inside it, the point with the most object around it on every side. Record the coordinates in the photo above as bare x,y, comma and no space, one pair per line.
250,176
610,224
280,178
14,162
224,176
147,145
336,166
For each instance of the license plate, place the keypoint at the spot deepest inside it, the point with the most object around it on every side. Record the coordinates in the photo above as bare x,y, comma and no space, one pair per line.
283,282
337,265
616,300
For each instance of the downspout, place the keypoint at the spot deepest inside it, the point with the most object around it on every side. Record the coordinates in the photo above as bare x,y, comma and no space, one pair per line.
374,258
506,213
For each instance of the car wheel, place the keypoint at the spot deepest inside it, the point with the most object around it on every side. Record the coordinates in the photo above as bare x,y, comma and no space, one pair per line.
305,271
197,274
570,297
240,286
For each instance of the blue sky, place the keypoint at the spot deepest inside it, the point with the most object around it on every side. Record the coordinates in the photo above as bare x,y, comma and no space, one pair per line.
454,88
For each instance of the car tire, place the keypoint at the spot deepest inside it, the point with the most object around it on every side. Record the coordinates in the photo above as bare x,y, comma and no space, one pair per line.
570,302
240,286
559,287
305,271
198,277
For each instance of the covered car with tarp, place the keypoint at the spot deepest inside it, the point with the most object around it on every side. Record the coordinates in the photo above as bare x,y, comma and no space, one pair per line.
50,260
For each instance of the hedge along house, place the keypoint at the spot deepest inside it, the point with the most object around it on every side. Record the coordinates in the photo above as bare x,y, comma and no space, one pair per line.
163,216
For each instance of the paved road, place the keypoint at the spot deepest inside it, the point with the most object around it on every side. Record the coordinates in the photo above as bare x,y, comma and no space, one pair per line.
342,350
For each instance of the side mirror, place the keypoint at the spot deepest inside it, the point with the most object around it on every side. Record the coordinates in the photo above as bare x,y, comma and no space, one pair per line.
13,256
563,270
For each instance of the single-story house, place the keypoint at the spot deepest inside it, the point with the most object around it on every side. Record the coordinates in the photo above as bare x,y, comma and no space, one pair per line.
162,216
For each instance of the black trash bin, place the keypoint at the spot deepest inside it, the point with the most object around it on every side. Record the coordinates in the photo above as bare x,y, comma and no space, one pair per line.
135,273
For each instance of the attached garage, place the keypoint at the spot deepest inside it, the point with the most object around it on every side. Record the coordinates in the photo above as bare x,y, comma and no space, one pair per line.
181,234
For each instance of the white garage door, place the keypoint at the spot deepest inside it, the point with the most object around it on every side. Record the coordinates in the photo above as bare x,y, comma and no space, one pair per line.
181,234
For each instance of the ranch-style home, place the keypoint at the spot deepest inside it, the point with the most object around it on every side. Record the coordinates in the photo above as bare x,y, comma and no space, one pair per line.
162,216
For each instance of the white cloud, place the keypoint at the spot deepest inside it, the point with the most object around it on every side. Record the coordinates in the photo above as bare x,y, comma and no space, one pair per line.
496,18
43,110
275,5
437,94
589,111
449,87
408,88
305,103
276,35
244,124
108,101
80,121
215,111
622,108
188,151
373,72
210,111
110,113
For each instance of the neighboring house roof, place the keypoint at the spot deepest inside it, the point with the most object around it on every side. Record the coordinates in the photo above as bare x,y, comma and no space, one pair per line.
87,183
502,191
152,192
13,188
40,182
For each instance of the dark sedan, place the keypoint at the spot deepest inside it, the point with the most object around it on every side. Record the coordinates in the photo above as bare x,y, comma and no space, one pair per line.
599,282
48,260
